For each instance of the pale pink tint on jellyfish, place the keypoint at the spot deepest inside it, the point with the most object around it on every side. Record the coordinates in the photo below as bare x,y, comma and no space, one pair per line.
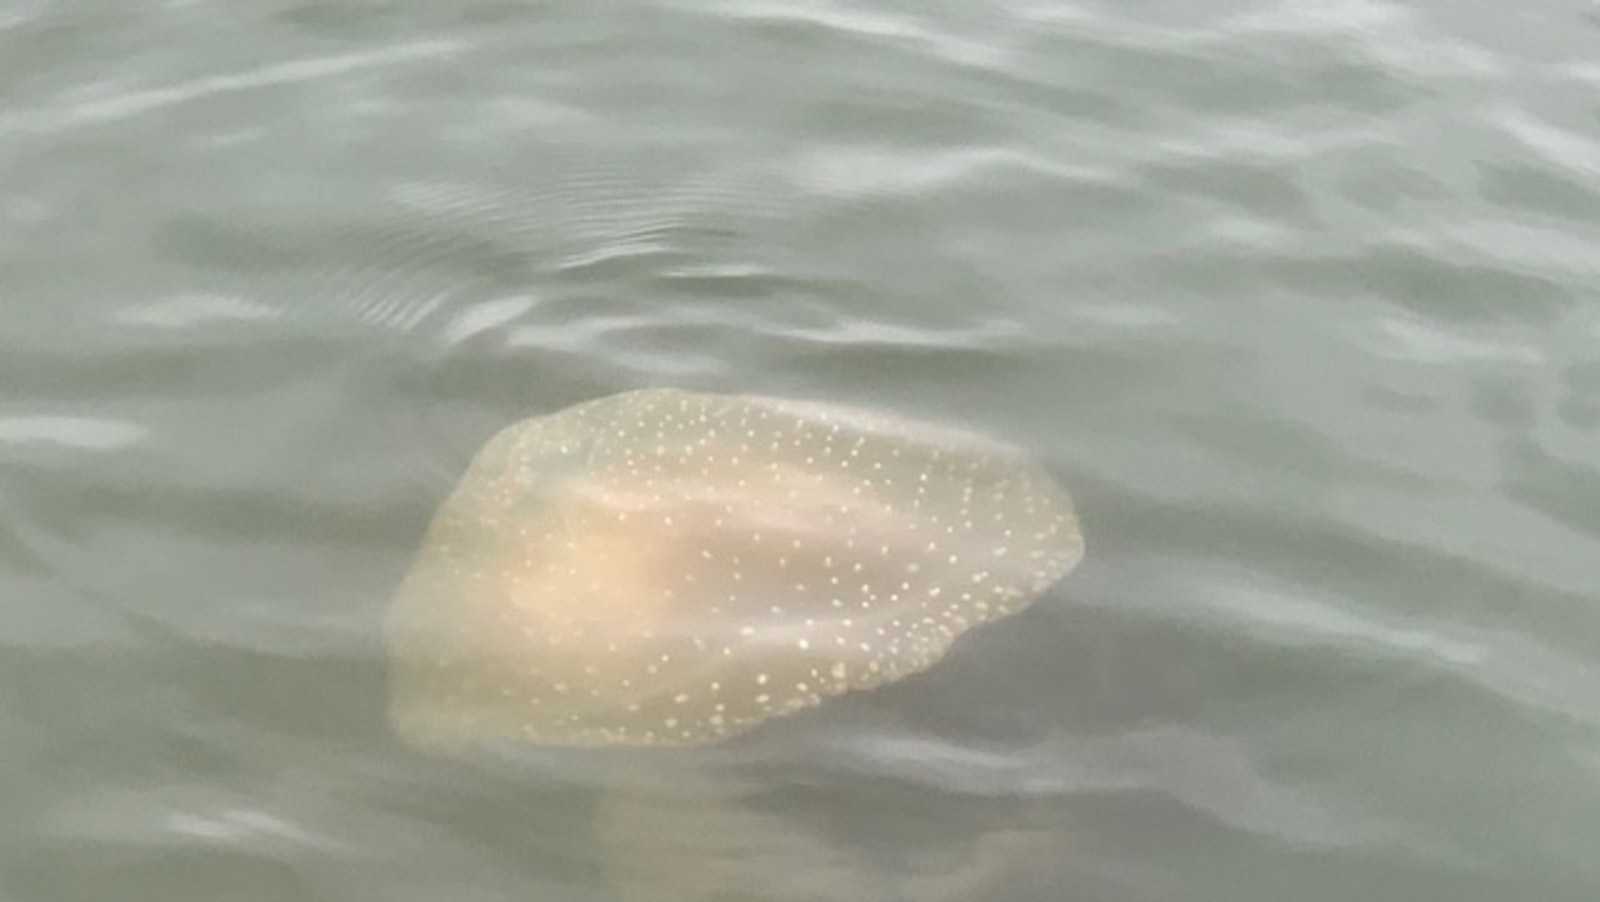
663,567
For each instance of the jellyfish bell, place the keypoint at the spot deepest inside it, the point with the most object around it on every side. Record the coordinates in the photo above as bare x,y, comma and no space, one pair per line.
663,567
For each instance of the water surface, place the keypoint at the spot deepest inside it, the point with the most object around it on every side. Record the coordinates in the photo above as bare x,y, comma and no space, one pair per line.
1298,300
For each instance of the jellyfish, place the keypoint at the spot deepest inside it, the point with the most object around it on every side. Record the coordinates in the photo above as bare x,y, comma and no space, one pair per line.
671,568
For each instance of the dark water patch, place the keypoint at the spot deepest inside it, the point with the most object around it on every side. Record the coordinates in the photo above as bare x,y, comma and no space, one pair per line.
238,513
1456,291
1539,190
1258,188
1567,490
72,869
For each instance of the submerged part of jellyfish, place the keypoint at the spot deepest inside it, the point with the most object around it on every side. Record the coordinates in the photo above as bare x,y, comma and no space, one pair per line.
663,567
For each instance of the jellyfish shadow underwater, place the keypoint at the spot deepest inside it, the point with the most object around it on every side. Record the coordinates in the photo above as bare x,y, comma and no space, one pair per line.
668,570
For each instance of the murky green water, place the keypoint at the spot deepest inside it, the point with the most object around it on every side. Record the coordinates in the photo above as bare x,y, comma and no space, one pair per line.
1300,300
